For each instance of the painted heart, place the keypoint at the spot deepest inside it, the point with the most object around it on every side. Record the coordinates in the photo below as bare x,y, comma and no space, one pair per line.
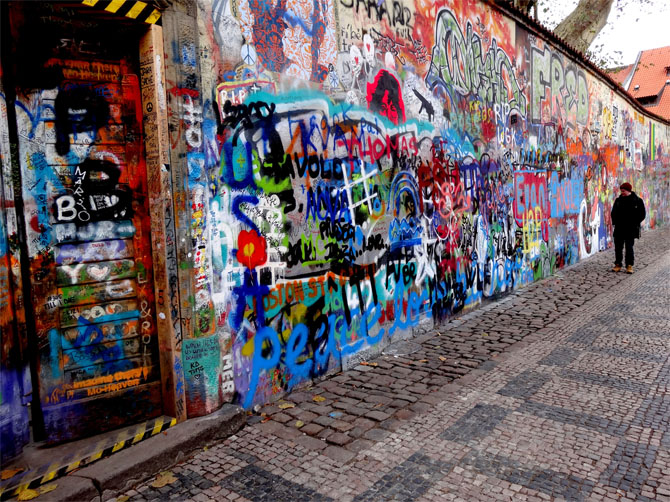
98,273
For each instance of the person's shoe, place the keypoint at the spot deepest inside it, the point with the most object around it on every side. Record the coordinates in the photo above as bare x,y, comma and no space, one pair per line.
617,268
629,269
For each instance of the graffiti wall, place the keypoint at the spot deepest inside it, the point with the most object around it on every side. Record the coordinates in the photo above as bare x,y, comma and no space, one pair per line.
373,166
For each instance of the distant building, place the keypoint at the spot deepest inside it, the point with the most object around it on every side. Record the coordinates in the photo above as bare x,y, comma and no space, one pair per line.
648,80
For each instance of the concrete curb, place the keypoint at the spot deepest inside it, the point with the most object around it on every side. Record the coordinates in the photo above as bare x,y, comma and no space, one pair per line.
104,479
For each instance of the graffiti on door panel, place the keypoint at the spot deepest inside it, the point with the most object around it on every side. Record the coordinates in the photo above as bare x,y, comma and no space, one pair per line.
88,239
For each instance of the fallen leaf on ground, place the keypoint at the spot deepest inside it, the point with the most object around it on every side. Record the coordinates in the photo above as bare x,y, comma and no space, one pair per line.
28,494
299,423
442,358
318,399
365,363
10,473
122,498
266,419
48,488
423,360
164,478
285,406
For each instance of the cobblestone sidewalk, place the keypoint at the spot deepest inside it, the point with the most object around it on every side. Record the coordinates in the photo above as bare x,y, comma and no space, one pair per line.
558,391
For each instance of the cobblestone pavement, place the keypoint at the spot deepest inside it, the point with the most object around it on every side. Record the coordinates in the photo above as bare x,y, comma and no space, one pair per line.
558,391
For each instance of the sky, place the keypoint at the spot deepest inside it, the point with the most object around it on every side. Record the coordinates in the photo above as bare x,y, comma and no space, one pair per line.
632,26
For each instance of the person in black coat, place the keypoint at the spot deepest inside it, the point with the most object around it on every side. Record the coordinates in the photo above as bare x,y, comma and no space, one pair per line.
628,212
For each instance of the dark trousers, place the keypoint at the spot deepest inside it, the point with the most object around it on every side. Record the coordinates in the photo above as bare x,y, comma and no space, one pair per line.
619,242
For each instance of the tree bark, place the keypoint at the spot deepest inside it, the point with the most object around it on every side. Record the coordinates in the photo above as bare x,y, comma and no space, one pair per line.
525,5
584,23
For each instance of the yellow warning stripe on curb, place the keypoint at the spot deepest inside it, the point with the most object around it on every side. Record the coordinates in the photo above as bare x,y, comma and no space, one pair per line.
133,9
48,472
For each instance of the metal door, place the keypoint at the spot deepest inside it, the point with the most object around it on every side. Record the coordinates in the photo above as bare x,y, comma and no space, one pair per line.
84,187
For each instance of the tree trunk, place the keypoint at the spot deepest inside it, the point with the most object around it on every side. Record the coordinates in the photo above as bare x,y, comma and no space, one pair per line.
525,5
584,23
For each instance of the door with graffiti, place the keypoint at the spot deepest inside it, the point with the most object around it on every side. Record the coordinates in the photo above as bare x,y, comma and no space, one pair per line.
84,187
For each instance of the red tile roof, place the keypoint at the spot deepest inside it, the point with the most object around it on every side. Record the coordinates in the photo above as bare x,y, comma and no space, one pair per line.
620,74
651,72
663,106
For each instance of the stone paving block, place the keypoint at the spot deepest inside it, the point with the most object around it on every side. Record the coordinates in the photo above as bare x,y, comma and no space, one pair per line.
325,433
339,454
376,434
282,418
391,424
279,430
356,432
421,407
339,438
432,399
311,443
404,414
364,423
324,421
311,429
341,425
300,414
359,445
377,415
374,398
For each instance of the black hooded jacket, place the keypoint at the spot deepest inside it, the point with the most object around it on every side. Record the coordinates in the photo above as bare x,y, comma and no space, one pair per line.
627,214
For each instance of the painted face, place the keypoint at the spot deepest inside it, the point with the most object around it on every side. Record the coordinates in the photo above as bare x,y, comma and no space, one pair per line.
389,61
352,98
356,60
368,49
389,109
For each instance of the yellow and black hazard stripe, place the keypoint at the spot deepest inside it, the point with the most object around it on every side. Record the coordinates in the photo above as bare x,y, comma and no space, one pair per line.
141,11
48,472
